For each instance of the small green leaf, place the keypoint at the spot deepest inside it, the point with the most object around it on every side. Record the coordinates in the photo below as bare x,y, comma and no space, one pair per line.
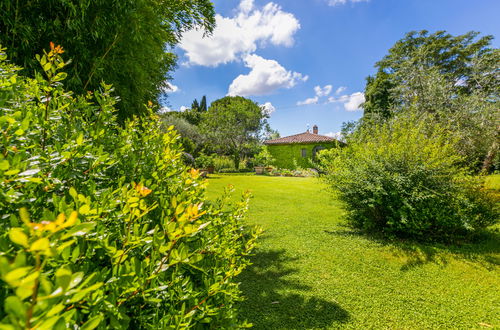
84,209
48,323
17,236
76,279
14,276
12,172
60,76
4,165
46,67
63,277
92,323
55,310
79,230
14,306
73,193
79,139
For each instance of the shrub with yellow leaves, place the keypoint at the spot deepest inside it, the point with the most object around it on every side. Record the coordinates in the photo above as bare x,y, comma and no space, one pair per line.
102,224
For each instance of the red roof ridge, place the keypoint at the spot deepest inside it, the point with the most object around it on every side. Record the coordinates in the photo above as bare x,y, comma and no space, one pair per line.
305,137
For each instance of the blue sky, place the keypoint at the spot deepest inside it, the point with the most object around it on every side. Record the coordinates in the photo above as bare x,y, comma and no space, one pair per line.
307,60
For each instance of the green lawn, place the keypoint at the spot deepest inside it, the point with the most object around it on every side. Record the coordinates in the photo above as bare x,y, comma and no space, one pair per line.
311,271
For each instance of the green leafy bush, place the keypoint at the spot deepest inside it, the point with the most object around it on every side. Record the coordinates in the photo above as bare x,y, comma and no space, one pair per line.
102,224
402,179
263,158
227,163
204,161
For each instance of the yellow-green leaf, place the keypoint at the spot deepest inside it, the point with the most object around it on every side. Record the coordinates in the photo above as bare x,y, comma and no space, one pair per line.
17,236
4,165
84,209
14,276
42,244
79,139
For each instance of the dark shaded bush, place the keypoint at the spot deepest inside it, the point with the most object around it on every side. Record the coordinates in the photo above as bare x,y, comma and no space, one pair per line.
401,179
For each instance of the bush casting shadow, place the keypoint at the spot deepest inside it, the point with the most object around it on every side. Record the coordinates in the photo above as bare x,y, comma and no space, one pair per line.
267,307
483,251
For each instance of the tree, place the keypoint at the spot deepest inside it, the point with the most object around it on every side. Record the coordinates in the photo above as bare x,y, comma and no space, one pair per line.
453,79
233,125
192,140
378,98
195,106
451,56
203,104
125,43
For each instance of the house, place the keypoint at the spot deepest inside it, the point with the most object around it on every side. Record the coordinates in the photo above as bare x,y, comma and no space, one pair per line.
299,149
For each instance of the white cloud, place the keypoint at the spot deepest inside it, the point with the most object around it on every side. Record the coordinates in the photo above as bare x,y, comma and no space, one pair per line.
323,91
170,88
320,92
354,101
183,108
246,6
242,34
267,108
351,102
340,90
264,78
311,100
343,2
164,109
335,135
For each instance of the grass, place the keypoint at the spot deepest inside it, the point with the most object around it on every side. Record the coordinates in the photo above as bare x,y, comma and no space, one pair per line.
312,272
493,182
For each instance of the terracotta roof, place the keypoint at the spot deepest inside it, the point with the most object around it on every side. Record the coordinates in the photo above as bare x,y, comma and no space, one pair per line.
301,138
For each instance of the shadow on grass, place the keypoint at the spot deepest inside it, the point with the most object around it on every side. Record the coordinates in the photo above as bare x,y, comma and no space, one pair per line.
275,302
483,251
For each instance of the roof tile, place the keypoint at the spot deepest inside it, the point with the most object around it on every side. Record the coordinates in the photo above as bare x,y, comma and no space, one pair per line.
305,137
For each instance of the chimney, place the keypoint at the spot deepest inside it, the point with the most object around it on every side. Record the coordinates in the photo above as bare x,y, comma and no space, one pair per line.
315,129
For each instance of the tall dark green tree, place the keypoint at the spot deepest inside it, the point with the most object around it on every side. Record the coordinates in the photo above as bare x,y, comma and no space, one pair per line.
203,104
126,43
195,106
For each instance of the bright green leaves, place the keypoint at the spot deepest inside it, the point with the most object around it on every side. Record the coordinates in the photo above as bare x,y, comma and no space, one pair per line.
103,223
15,306
92,323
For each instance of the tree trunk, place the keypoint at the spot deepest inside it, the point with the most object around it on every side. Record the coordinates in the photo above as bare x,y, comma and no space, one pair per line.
488,161
236,159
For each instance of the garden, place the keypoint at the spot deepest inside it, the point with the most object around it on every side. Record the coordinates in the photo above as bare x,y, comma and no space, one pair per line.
117,212
311,270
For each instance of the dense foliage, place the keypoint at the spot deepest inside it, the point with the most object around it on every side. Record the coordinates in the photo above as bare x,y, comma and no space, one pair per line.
402,178
263,158
452,78
125,43
102,224
233,125
290,156
191,137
